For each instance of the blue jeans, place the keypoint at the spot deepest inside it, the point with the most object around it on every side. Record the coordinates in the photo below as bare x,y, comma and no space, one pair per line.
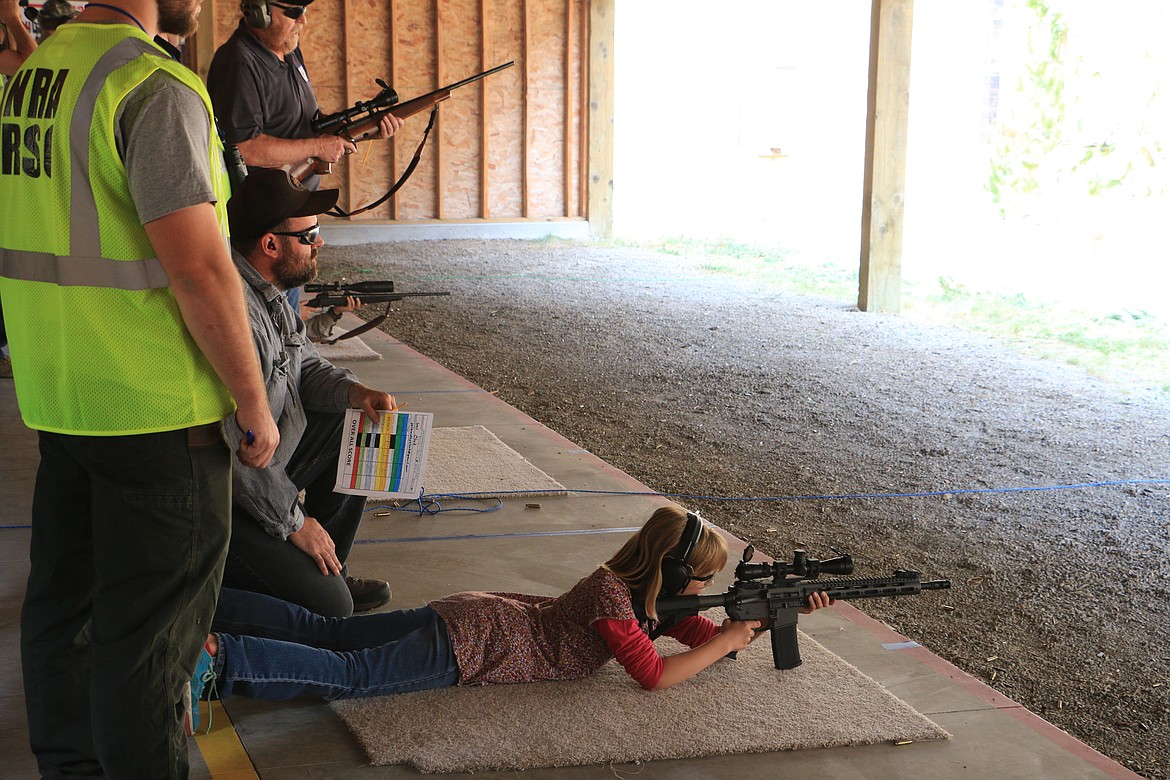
274,650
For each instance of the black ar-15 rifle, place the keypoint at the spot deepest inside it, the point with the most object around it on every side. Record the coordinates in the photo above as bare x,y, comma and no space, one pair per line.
338,294
776,604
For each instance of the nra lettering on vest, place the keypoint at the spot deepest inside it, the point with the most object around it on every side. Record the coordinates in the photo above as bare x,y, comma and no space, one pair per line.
27,147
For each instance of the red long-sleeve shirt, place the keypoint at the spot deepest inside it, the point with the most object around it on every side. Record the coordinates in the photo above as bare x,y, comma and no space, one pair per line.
634,650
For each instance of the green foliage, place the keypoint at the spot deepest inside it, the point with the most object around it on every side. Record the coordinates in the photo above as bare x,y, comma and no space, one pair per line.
1016,166
778,266
1052,118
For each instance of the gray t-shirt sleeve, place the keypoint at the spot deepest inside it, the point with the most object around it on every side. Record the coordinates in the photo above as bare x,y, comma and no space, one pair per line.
163,134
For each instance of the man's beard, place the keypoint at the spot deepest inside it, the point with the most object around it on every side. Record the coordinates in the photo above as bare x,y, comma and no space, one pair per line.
178,17
289,276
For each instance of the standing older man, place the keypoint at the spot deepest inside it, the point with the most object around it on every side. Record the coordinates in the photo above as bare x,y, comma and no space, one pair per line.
129,344
280,545
262,95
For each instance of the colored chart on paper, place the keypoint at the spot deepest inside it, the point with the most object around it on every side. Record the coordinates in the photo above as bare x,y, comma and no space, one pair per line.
385,459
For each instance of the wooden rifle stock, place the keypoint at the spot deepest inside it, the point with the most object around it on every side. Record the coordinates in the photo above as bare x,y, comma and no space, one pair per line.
367,127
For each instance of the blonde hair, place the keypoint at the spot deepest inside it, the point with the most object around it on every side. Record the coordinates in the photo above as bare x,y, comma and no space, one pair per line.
639,561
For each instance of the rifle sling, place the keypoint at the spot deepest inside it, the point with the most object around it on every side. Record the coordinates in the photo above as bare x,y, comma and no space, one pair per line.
363,328
337,211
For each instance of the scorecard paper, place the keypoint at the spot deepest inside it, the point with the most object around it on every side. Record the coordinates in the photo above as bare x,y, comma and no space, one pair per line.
385,459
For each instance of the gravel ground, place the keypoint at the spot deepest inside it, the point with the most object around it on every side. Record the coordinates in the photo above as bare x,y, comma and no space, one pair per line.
703,385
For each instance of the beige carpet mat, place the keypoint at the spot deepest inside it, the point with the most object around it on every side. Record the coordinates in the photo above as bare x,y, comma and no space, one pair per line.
471,459
350,349
740,706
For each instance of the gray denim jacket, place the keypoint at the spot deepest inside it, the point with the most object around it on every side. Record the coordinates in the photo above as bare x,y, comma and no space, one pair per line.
296,378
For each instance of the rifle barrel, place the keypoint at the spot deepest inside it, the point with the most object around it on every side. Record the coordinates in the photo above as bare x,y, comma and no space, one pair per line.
422,102
479,76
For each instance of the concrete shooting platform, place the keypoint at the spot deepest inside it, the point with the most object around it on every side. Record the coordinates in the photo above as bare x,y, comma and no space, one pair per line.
543,550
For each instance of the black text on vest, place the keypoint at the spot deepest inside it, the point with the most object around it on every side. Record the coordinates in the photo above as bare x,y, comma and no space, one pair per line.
27,147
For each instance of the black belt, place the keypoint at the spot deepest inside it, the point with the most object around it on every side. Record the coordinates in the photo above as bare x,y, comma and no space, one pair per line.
205,435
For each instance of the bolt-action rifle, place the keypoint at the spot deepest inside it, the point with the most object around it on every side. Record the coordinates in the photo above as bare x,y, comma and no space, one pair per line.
338,293
777,603
360,123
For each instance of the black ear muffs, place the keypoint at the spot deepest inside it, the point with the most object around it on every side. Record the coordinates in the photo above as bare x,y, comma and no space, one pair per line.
676,567
256,13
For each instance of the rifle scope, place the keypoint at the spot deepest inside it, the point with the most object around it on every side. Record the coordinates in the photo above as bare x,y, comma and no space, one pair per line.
353,288
802,566
330,123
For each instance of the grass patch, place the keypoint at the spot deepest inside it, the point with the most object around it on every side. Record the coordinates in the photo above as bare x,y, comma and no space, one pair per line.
783,268
1127,347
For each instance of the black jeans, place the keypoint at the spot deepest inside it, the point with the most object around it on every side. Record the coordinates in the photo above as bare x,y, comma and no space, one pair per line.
129,535
264,564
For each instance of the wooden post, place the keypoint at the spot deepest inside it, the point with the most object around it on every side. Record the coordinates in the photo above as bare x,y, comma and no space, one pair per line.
600,126
484,167
526,121
888,109
346,36
567,140
391,30
440,80
583,114
205,45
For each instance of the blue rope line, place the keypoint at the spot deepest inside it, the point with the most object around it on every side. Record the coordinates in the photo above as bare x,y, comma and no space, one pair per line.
430,504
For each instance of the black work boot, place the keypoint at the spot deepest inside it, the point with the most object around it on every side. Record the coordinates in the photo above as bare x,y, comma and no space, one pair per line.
367,594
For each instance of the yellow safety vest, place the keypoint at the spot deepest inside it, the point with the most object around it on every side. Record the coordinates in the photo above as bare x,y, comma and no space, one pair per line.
97,341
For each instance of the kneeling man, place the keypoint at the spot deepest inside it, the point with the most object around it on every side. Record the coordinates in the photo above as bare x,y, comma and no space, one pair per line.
280,546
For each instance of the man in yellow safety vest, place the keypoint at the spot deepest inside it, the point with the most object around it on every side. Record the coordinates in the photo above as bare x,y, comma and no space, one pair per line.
129,343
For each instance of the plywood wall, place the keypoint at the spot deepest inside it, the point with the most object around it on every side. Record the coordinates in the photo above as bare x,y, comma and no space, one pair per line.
509,147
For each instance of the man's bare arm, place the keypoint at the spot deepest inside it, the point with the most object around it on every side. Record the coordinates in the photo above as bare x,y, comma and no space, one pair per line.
267,151
20,41
207,287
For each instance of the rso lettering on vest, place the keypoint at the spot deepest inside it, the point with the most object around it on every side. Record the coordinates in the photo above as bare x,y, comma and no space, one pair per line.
26,147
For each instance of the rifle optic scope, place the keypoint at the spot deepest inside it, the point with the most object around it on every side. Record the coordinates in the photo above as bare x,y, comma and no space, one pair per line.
330,123
802,566
351,287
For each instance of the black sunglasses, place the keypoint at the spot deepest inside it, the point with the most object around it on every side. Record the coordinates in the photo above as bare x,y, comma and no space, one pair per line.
307,236
708,578
293,12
